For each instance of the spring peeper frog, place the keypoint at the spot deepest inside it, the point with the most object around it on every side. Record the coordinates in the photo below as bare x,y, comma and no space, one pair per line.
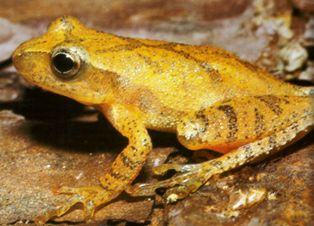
207,96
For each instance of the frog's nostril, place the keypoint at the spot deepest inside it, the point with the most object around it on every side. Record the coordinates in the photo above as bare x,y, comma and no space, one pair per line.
17,54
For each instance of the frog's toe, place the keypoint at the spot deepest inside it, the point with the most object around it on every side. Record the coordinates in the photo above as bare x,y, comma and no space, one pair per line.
67,190
142,189
162,169
81,191
183,190
89,197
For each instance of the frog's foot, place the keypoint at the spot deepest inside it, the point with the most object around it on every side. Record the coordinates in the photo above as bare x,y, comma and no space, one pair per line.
89,197
189,179
180,185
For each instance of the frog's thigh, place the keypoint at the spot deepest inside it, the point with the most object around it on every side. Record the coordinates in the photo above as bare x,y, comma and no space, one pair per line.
228,125
208,128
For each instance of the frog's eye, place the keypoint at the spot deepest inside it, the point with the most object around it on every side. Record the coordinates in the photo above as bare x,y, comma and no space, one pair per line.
65,63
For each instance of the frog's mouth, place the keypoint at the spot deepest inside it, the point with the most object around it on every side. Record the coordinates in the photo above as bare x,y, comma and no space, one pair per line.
69,90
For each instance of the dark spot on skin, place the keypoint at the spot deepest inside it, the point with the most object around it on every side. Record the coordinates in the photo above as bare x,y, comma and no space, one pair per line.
217,164
259,143
106,188
126,161
118,176
248,153
272,141
285,100
295,127
202,116
217,134
294,115
247,147
129,162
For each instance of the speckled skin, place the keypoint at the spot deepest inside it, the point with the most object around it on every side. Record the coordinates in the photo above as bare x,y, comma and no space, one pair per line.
207,96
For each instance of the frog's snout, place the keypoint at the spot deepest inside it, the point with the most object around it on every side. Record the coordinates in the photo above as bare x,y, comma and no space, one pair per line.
23,55
17,58
30,64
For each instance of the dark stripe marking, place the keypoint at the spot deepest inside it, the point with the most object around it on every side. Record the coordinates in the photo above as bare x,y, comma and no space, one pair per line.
259,122
272,103
233,121
154,64
201,115
214,74
120,48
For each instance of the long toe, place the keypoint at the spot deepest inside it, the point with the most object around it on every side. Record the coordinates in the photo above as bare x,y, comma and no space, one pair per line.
182,168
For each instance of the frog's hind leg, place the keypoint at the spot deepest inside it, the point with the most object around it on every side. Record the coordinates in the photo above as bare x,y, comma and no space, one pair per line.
195,175
192,176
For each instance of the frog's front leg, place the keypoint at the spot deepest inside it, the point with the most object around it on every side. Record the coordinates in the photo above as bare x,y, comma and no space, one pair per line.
275,122
123,171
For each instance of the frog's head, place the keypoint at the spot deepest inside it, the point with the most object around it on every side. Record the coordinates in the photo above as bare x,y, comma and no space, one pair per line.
60,62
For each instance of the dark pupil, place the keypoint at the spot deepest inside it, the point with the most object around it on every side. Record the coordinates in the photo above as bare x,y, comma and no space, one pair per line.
63,63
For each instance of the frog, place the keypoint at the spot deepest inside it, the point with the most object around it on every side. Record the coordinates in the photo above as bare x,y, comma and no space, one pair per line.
210,98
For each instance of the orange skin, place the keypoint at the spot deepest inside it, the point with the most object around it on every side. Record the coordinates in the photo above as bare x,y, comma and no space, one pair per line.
207,96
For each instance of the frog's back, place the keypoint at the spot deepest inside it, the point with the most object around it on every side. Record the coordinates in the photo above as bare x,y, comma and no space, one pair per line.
200,73
240,76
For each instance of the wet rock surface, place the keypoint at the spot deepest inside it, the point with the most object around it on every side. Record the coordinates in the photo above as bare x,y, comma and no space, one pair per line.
48,141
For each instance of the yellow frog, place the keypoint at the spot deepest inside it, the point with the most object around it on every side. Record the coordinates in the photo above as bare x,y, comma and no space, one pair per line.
207,96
